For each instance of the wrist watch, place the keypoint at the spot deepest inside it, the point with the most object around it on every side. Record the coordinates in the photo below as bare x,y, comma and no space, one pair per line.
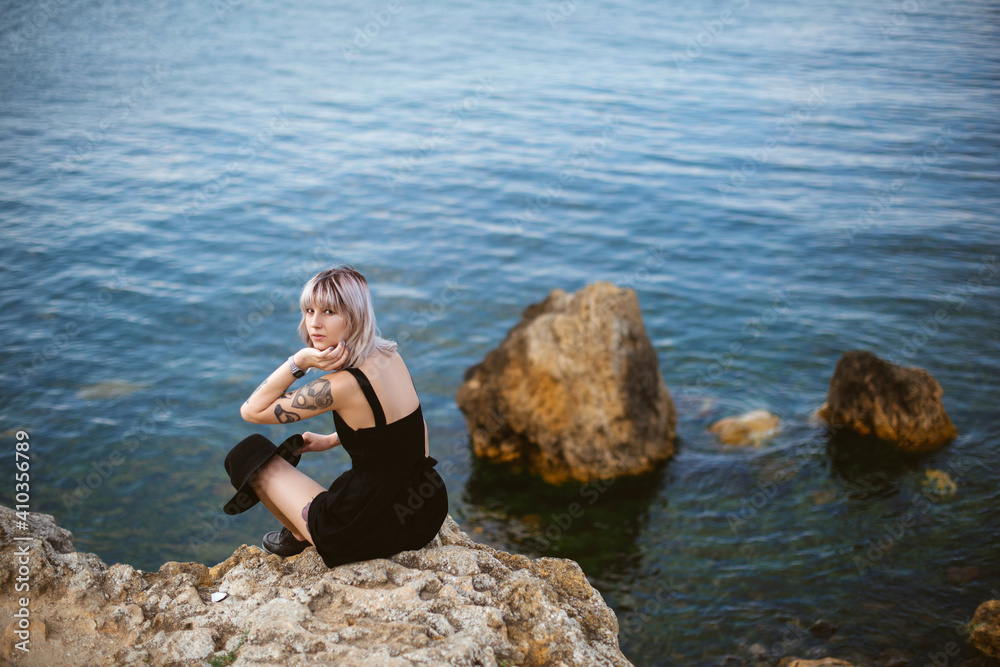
296,371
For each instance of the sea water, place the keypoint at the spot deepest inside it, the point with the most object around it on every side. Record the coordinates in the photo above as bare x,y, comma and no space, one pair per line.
779,183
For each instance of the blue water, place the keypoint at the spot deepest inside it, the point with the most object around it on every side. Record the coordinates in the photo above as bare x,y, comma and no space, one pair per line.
787,181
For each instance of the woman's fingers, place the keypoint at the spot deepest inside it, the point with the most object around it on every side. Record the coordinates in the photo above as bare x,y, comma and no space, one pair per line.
314,442
332,358
311,440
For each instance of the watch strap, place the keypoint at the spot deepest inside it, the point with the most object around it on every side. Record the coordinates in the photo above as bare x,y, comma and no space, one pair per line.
296,371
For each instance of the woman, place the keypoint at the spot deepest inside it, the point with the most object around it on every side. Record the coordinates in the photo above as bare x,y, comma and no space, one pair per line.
391,499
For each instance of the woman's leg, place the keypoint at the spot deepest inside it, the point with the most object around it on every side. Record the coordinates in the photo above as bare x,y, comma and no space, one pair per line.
285,490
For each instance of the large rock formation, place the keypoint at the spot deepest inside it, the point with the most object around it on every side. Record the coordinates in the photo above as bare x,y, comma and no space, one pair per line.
574,391
895,403
454,602
985,628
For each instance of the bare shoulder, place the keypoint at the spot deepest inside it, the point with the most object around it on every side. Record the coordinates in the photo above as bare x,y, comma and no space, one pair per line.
392,383
386,368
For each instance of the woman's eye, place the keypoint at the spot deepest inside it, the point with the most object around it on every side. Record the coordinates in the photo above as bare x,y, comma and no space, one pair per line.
328,311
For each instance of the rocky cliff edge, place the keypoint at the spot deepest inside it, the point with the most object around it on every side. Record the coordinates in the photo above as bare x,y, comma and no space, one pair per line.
454,602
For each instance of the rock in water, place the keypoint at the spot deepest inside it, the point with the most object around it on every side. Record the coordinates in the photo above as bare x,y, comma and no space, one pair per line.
574,391
752,428
940,483
963,574
822,628
454,602
899,404
985,628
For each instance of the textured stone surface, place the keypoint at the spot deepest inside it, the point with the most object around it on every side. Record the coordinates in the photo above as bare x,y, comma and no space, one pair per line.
824,662
454,602
985,628
899,404
574,391
752,428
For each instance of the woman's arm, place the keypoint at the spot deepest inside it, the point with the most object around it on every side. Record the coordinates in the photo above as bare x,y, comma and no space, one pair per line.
272,403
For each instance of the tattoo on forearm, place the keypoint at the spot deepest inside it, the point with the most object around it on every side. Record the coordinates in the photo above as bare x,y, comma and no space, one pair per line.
314,395
286,416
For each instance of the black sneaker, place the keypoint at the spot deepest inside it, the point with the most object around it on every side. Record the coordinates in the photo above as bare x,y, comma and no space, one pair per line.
283,543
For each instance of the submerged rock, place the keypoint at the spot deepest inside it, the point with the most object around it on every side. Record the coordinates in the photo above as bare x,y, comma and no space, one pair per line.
822,628
940,483
574,391
752,428
899,404
963,574
824,662
454,602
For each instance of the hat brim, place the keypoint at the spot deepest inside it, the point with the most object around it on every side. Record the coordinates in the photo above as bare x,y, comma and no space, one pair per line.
249,456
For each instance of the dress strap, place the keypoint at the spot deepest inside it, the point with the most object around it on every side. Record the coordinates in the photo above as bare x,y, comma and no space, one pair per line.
373,401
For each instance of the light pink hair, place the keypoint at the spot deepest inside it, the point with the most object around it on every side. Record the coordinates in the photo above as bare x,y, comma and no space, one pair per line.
345,291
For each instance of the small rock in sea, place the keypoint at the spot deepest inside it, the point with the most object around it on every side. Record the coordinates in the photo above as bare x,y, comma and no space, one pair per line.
964,574
824,662
758,651
574,391
823,496
985,628
940,483
898,404
732,661
822,628
752,428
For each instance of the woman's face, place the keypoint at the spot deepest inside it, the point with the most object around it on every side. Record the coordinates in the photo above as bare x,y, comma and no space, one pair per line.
325,327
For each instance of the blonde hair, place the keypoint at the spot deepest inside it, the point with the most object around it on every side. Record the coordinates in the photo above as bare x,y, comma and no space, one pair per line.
345,291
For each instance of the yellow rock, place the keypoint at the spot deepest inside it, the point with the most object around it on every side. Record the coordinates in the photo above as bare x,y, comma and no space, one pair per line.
940,483
985,628
35,630
752,428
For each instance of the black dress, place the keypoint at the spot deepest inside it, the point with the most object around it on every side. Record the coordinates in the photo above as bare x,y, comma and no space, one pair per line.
391,500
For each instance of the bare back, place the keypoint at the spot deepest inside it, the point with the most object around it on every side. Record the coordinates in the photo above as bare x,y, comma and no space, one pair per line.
391,381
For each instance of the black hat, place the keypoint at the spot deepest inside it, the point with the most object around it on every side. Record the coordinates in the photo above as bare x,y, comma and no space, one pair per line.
244,459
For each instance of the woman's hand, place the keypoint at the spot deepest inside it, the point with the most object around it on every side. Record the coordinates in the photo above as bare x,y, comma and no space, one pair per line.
330,359
314,442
